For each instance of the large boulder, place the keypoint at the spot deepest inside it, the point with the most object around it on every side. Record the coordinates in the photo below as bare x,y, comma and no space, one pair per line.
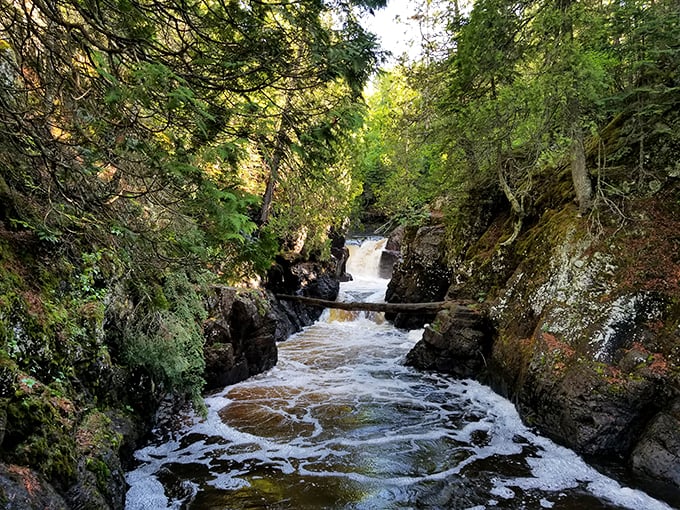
301,278
421,276
240,335
657,453
457,343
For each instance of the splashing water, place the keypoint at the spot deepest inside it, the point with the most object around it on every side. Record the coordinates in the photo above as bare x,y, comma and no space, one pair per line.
364,259
340,423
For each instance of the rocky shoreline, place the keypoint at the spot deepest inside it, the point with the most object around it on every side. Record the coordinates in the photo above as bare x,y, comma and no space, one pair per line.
565,326
582,332
241,332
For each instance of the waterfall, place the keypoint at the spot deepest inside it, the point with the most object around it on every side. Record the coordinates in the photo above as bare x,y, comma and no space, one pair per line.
364,259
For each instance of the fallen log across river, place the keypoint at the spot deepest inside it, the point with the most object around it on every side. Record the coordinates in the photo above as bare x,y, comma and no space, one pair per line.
382,307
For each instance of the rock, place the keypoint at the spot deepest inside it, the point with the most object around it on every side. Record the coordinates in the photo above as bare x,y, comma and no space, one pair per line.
103,442
422,276
458,343
22,488
657,453
388,259
3,423
396,240
240,336
340,254
306,278
577,407
585,334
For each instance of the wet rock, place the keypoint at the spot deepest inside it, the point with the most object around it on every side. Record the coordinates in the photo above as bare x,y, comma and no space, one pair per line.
388,259
581,409
302,278
104,441
422,276
657,454
340,255
240,336
21,488
457,343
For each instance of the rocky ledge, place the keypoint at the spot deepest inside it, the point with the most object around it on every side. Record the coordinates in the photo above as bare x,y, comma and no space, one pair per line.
244,325
582,331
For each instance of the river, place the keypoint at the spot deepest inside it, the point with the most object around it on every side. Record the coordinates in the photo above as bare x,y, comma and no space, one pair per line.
340,423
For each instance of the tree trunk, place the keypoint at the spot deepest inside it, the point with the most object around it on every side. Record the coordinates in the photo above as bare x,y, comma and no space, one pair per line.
274,163
380,307
579,172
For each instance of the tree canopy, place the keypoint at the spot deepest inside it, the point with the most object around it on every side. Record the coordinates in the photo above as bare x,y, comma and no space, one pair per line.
161,141
515,90
160,122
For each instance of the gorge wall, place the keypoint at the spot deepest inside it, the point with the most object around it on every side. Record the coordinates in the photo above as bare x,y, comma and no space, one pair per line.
73,408
580,327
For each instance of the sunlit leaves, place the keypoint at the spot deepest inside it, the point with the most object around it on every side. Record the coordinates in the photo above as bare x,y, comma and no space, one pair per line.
511,88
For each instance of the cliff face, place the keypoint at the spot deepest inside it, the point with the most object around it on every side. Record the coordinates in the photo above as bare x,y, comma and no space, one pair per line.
583,332
68,411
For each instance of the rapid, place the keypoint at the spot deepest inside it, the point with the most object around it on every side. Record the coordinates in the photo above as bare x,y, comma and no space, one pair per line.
340,423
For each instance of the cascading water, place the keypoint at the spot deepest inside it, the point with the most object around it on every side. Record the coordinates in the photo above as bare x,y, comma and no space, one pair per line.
340,423
364,259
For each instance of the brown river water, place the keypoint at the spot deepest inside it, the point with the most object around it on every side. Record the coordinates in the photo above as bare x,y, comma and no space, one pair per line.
340,423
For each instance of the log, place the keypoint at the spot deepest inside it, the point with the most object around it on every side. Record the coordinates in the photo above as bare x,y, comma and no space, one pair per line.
377,307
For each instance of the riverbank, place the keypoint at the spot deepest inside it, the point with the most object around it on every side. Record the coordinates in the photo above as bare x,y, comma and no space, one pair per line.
583,330
74,406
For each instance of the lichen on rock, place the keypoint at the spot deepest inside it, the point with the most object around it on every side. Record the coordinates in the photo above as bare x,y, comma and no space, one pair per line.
584,332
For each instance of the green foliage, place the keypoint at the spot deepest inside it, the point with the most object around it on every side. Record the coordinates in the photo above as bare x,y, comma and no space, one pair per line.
136,142
396,163
164,334
508,95
158,119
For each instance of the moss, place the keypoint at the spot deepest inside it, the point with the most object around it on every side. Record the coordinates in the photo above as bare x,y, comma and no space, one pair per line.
96,440
96,433
101,471
39,432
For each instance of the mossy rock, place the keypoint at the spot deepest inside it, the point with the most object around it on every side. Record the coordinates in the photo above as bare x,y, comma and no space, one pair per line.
39,431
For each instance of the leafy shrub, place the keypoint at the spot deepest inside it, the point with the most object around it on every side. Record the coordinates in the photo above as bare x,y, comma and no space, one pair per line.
164,334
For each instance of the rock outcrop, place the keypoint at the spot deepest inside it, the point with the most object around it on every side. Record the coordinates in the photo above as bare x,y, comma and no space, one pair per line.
458,342
303,278
240,336
244,325
585,334
421,276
